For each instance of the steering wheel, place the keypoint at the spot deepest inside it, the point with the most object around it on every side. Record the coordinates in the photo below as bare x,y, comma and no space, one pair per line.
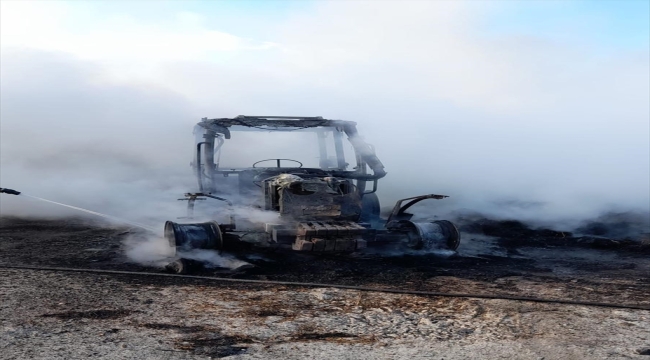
278,162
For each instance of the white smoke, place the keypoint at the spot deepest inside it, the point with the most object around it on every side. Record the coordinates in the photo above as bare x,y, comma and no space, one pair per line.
513,127
151,250
213,259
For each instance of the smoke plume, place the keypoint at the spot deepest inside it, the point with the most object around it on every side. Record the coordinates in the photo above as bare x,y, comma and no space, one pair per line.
509,126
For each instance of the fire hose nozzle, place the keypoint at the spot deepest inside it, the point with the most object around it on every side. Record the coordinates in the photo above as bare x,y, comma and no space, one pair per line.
9,191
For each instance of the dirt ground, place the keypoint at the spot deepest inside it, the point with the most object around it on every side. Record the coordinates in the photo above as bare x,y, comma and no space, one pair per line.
56,315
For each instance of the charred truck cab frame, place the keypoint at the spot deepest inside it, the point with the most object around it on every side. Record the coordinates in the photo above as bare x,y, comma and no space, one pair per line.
325,209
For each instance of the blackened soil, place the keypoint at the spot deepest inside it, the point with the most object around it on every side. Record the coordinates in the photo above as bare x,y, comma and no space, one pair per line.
494,257
215,345
71,242
92,314
323,336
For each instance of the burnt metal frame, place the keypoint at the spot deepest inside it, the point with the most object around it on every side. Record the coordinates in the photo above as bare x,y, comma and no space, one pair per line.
397,228
399,210
219,129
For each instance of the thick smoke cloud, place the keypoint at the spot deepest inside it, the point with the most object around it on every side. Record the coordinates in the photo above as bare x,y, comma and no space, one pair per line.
114,149
513,127
517,127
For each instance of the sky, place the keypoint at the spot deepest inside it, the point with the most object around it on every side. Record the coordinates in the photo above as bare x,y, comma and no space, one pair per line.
530,109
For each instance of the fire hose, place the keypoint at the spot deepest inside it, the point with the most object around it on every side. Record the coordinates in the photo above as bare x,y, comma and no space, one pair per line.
336,286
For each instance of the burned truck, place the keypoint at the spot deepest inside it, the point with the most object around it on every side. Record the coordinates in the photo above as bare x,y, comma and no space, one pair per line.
323,202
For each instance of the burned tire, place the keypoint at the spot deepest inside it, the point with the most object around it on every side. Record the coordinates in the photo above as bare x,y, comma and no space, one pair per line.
427,236
451,232
194,236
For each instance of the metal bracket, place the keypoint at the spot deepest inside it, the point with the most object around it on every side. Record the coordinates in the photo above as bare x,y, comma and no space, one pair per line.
398,212
192,197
